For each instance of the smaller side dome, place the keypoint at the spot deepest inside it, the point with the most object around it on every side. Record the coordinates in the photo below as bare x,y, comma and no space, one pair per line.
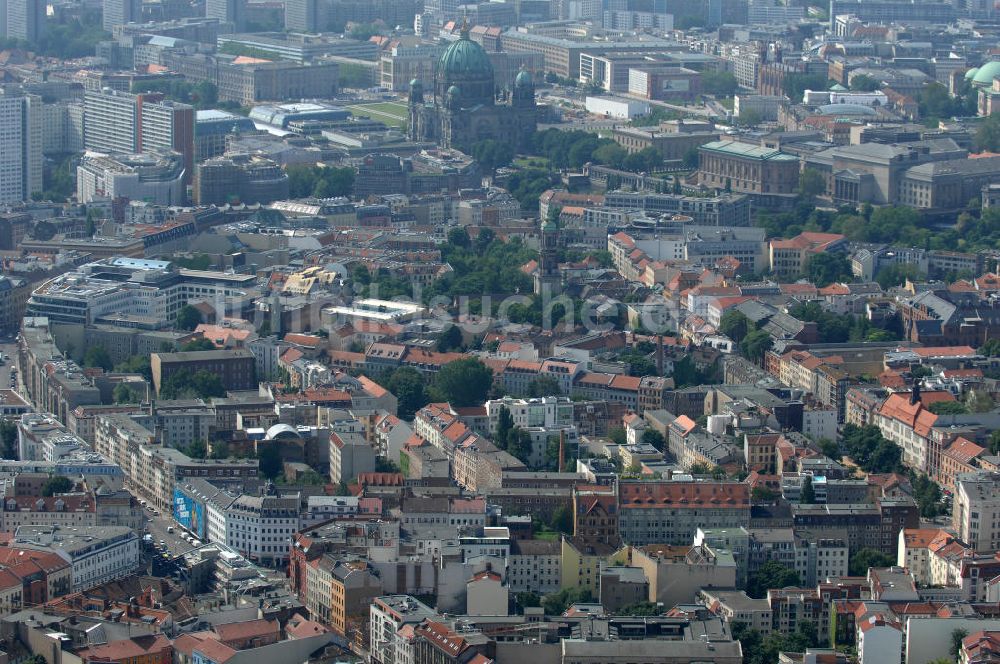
971,74
523,79
415,84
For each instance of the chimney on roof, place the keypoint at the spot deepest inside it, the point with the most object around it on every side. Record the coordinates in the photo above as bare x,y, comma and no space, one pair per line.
915,393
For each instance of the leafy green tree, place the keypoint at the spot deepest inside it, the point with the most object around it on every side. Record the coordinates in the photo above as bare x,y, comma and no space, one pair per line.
465,382
562,520
735,325
200,384
220,450
772,574
808,493
641,609
544,386
123,394
556,603
617,435
8,439
979,401
957,637
862,560
610,154
794,85
991,348
927,494
653,437
407,384
988,134
811,183
97,356
948,408
524,600
319,181
198,345
492,154
364,31
719,83
869,450
459,237
505,424
57,484
761,494
825,268
137,364
864,83
830,448
897,274
197,449
188,317
271,465
755,344
450,339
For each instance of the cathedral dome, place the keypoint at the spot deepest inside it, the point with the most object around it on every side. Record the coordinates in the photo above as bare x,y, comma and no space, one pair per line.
523,79
465,58
984,75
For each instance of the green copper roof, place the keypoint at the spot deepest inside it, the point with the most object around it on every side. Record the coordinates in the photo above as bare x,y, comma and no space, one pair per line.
748,151
986,73
465,57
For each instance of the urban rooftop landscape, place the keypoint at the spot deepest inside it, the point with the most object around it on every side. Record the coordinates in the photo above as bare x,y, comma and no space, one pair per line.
496,332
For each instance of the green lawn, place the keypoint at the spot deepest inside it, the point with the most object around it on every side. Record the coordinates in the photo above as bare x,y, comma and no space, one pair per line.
531,162
392,113
547,535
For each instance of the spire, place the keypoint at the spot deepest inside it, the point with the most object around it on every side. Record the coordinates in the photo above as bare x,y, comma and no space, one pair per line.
465,27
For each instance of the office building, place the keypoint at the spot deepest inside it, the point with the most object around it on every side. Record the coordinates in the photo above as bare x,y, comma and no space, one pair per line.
976,509
227,11
20,148
236,368
248,83
150,291
238,179
121,12
213,127
23,19
302,15
121,122
152,177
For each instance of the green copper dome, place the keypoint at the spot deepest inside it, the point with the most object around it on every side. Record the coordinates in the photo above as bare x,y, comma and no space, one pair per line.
985,74
465,58
969,75
523,79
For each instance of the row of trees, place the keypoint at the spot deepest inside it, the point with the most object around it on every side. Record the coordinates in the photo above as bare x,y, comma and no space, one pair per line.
901,226
573,149
487,265
753,342
838,328
869,450
320,181
466,382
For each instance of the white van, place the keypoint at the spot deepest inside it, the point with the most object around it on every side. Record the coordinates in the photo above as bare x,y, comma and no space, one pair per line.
170,529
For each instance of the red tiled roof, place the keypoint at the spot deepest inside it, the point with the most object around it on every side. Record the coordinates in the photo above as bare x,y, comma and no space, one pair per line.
695,495
247,630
